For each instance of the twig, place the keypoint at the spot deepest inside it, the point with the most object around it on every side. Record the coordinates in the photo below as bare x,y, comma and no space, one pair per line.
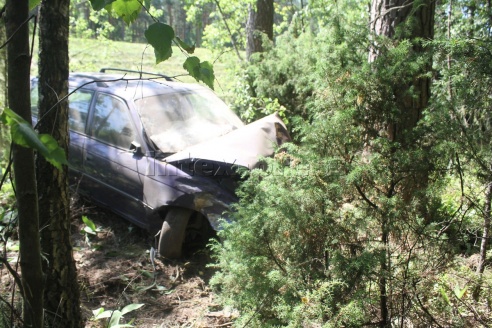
15,32
12,309
228,30
14,274
222,325
365,197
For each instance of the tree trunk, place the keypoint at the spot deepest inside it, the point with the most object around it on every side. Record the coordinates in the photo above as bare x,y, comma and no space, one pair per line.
386,15
19,63
260,20
486,227
62,292
170,13
410,98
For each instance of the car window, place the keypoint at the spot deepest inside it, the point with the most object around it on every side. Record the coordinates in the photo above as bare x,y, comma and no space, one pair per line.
112,122
78,108
78,104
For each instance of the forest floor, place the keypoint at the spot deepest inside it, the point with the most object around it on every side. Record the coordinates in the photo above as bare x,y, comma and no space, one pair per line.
115,270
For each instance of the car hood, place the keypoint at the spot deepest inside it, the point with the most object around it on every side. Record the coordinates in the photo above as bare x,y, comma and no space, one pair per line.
242,147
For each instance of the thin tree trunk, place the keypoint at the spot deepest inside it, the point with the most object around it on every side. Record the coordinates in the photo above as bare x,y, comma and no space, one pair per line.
486,227
383,283
19,62
62,291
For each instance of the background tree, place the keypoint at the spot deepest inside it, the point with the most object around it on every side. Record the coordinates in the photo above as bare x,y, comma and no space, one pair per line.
463,88
61,286
260,22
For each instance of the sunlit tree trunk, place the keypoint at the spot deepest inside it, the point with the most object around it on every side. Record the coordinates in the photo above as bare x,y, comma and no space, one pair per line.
260,21
62,292
19,63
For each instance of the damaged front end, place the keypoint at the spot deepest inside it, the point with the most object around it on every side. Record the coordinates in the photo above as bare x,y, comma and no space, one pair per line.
204,177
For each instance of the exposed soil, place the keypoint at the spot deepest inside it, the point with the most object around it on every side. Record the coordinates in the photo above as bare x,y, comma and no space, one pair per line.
115,270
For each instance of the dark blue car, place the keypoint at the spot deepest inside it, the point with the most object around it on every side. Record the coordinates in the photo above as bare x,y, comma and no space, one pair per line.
162,154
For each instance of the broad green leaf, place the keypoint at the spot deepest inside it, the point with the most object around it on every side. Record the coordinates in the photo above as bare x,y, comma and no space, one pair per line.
160,36
192,65
189,49
115,318
33,3
101,314
128,10
100,4
56,153
89,231
97,312
207,74
24,135
201,71
88,222
130,308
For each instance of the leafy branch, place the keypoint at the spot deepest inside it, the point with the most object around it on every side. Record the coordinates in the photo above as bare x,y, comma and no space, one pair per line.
160,36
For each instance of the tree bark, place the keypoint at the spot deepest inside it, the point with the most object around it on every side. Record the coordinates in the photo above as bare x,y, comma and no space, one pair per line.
386,15
62,292
486,227
260,21
410,99
19,63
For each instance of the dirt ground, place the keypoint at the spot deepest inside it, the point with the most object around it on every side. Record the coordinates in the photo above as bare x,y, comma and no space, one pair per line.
115,269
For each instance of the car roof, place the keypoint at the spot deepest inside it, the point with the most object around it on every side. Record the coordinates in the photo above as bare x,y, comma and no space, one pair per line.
130,86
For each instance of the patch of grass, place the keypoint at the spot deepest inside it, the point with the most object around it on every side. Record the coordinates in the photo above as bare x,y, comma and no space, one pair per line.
90,55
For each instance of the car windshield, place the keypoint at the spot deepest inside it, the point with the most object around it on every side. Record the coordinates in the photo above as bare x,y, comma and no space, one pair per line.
176,121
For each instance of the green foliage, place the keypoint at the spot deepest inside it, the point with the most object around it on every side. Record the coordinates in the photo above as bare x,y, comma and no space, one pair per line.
100,4
90,227
286,78
128,10
201,71
186,47
115,316
160,37
91,55
215,34
24,135
33,3
348,211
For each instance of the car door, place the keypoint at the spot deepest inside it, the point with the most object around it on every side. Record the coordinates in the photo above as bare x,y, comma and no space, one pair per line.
79,103
115,170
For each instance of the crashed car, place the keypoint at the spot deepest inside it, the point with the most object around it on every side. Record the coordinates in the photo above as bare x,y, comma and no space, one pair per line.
162,154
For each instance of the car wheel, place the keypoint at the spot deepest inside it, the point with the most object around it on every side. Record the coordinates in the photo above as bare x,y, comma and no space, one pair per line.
173,232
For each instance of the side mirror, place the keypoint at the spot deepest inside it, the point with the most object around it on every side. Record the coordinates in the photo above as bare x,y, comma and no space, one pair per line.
136,148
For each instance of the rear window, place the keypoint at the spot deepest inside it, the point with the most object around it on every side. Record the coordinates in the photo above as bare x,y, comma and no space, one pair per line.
78,107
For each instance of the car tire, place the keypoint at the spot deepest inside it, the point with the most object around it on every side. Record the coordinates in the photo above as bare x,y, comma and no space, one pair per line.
173,232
